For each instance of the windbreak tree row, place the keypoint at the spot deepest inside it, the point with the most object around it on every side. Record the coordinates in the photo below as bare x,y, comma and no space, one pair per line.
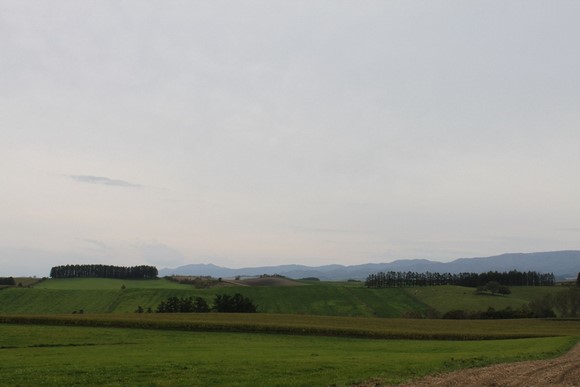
397,279
7,281
104,271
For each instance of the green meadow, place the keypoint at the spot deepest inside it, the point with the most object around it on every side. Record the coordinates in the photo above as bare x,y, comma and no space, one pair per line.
316,334
34,355
447,297
97,295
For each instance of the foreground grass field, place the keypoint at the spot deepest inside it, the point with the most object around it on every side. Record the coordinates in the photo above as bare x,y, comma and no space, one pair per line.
47,355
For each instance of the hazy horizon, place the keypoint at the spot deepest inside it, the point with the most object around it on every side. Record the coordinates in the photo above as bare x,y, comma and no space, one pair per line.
265,133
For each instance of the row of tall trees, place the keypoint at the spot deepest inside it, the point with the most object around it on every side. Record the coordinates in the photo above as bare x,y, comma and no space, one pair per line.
395,279
7,281
104,271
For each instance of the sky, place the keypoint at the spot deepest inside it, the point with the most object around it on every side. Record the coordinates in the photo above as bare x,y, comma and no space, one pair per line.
273,132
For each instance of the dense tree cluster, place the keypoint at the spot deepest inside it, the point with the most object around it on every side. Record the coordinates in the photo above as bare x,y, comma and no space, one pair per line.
223,303
237,303
104,271
397,279
7,281
183,305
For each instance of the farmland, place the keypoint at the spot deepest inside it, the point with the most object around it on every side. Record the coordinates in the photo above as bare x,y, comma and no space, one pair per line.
121,356
313,333
96,295
446,298
120,296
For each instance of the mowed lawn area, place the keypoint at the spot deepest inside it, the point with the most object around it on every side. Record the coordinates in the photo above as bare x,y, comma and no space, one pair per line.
32,355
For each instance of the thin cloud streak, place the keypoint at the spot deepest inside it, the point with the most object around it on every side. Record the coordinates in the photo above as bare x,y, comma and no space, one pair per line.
103,181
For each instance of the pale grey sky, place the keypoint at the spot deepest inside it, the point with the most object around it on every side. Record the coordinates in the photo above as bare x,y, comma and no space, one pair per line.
269,132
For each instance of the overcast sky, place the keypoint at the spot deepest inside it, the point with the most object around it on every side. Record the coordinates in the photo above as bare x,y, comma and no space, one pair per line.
246,133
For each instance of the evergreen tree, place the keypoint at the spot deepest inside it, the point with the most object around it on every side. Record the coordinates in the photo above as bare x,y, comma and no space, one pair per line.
224,303
182,305
104,271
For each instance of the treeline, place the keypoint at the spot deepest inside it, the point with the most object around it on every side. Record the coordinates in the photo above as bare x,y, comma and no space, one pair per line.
398,279
7,281
104,271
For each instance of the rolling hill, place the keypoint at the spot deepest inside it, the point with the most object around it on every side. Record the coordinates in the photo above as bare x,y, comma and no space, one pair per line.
100,295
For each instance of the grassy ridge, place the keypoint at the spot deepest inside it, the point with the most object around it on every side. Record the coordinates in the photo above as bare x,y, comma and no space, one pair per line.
317,325
131,357
108,284
98,295
106,295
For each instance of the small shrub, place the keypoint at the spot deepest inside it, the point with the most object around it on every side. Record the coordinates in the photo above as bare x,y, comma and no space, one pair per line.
504,290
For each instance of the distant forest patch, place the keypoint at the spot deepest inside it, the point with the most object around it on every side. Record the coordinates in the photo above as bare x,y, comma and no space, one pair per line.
9,281
398,279
104,271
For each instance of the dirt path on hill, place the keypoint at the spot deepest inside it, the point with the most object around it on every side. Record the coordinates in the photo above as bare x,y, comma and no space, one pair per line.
562,371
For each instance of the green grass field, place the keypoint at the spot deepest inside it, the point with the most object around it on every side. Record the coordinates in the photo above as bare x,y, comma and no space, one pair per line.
108,284
46,355
446,298
97,295
317,334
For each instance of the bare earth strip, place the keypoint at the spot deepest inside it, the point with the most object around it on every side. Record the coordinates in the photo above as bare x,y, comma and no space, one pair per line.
562,371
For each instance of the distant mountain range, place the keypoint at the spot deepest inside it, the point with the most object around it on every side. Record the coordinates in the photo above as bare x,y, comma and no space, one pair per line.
564,264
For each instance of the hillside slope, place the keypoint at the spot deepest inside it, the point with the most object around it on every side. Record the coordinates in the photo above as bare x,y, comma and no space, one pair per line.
105,295
313,298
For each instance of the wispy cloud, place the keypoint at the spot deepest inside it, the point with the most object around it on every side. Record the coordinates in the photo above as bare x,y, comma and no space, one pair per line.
161,254
570,229
102,181
99,247
319,230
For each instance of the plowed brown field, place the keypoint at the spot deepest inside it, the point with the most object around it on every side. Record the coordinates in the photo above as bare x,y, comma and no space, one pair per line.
562,371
